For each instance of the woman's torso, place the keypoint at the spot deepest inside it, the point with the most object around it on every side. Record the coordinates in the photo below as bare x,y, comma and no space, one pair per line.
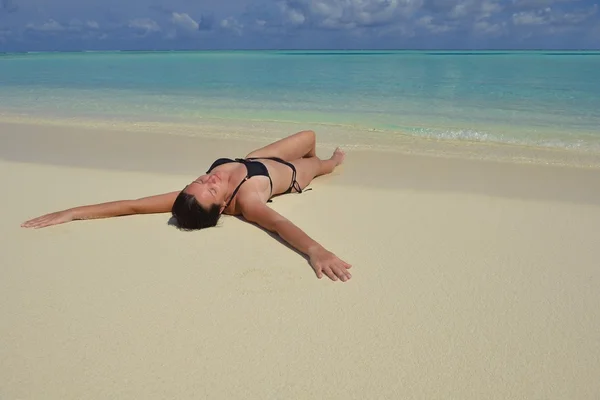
280,174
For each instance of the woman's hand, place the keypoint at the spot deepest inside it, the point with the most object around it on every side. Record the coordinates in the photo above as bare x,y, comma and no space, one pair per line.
59,217
325,262
321,260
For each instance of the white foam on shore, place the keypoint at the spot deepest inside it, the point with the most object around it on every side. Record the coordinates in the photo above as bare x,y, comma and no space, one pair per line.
453,143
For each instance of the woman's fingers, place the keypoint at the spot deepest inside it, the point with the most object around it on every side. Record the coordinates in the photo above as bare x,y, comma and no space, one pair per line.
348,274
54,218
325,262
341,272
43,224
27,223
44,221
35,222
319,272
30,223
327,271
337,272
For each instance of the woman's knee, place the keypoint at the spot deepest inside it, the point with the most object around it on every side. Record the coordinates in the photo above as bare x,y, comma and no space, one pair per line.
312,136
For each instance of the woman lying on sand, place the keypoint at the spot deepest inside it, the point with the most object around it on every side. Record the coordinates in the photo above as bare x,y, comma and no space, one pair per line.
236,187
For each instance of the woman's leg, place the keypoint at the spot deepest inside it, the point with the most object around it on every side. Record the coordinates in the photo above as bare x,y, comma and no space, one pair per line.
298,145
309,168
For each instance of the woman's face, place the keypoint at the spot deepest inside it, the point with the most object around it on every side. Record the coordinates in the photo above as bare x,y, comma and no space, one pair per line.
209,189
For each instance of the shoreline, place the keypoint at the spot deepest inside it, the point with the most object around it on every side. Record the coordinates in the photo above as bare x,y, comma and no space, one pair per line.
329,136
177,155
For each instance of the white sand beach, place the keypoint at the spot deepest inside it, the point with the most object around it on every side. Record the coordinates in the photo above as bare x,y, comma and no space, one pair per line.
471,279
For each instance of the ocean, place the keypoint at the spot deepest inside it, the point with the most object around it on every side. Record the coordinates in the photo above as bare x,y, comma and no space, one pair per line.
535,99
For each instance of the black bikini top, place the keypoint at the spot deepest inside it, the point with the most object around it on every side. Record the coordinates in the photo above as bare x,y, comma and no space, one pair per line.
255,168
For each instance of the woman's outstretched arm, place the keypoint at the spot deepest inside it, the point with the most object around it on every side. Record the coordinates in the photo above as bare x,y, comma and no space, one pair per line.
322,260
147,205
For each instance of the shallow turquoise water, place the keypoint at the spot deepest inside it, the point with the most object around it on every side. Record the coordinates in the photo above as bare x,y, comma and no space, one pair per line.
534,98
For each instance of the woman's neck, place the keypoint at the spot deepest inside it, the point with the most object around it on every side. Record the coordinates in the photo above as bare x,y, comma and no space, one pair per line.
235,178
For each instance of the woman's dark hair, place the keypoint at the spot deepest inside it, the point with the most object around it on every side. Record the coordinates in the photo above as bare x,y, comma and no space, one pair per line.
191,215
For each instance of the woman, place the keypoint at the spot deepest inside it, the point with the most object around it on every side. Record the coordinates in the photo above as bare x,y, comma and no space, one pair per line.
236,187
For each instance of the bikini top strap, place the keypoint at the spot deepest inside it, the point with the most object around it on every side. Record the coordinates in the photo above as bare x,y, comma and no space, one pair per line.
235,191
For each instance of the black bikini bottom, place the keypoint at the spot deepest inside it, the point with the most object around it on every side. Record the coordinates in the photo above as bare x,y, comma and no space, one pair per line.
294,184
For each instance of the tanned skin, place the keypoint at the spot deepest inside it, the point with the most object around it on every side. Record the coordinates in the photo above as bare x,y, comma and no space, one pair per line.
250,202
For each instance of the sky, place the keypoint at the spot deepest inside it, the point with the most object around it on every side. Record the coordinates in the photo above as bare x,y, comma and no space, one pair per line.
67,25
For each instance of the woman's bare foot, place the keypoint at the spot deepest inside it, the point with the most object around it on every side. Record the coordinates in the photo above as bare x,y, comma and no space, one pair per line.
338,156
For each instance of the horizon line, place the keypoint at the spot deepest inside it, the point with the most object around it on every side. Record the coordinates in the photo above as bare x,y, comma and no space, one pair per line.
304,49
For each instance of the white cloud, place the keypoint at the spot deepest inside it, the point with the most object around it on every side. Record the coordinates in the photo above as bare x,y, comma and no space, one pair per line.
184,21
463,10
375,12
49,26
460,10
144,24
556,18
74,26
531,17
487,28
232,24
488,9
427,22
537,4
380,23
345,14
577,17
295,17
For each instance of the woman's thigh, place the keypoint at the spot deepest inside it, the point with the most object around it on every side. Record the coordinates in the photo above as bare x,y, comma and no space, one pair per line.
306,170
290,148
